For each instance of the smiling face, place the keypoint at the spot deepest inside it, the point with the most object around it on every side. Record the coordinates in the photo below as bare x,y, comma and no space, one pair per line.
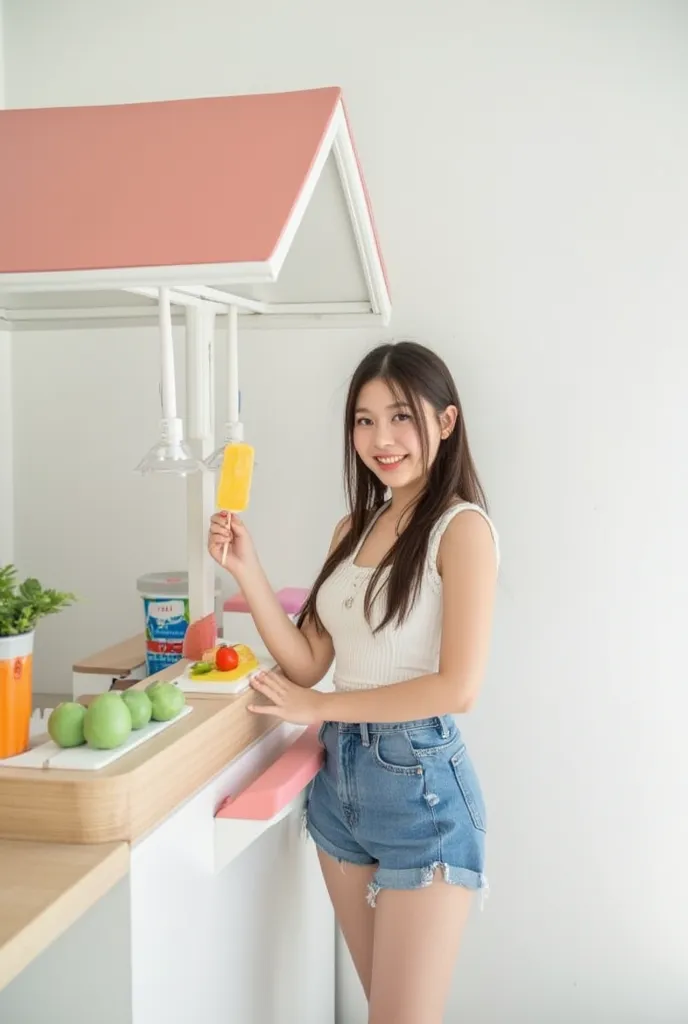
389,440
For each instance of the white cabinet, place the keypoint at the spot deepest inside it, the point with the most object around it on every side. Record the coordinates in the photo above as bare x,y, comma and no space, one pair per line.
178,941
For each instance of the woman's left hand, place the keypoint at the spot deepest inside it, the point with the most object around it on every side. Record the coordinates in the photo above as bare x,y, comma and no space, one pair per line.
290,702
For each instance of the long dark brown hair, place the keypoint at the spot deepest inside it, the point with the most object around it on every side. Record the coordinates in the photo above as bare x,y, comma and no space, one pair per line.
412,372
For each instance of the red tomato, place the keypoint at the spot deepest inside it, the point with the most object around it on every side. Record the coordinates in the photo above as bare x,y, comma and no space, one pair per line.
226,659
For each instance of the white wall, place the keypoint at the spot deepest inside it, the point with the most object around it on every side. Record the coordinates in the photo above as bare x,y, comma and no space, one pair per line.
527,165
6,481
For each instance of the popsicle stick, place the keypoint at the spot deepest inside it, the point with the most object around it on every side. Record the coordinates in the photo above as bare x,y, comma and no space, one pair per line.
226,543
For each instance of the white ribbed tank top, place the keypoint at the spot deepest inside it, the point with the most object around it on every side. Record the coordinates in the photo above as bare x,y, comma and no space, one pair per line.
363,659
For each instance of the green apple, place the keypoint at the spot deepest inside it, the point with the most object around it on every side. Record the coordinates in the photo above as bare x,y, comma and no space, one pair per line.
107,723
140,707
66,724
167,700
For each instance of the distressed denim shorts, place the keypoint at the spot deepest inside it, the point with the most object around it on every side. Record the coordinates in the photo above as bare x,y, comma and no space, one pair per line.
404,796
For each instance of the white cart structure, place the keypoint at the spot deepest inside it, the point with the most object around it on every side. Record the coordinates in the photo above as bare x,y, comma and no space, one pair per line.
251,210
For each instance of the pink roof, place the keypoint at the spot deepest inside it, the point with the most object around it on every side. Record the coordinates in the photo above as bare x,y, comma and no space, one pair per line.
88,188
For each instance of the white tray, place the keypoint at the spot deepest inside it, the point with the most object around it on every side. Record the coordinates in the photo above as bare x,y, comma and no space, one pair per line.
49,755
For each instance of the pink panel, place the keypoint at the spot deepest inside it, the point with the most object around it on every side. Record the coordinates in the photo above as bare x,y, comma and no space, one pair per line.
200,636
280,784
155,184
292,600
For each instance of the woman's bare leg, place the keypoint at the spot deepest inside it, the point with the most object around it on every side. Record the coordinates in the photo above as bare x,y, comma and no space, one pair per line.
347,885
415,946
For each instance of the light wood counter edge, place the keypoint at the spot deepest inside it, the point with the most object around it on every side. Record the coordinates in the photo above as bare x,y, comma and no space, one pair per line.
34,911
117,660
125,800
44,889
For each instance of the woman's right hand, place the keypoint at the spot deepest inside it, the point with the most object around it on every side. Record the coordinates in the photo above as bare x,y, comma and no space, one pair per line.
241,554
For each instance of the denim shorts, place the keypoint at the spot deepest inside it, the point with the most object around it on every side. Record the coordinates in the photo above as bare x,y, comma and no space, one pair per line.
404,796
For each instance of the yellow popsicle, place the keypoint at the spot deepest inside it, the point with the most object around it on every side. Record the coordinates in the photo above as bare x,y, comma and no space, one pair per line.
234,486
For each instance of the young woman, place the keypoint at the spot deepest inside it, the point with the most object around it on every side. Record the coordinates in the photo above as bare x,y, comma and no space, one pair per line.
403,605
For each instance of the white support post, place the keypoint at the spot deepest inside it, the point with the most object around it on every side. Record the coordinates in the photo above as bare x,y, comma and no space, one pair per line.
235,430
200,504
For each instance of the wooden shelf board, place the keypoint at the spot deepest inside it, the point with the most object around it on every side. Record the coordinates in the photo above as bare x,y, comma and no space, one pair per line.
44,889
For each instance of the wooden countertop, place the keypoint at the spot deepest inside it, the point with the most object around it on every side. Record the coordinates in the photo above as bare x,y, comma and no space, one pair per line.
118,660
122,801
64,836
45,888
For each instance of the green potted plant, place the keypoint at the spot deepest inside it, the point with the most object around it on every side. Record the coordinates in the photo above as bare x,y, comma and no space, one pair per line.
21,607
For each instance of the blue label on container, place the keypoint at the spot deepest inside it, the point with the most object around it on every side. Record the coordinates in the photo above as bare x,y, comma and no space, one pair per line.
157,662
167,621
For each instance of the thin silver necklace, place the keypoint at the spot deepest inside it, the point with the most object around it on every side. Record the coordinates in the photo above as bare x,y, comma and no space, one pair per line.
359,577
362,571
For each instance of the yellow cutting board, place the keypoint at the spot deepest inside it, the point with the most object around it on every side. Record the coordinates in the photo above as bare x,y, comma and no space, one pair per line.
247,663
215,683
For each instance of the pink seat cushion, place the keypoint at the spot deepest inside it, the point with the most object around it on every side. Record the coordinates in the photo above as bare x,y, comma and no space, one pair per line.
292,600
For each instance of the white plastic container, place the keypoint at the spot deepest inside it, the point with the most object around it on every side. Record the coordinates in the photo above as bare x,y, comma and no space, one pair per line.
165,598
